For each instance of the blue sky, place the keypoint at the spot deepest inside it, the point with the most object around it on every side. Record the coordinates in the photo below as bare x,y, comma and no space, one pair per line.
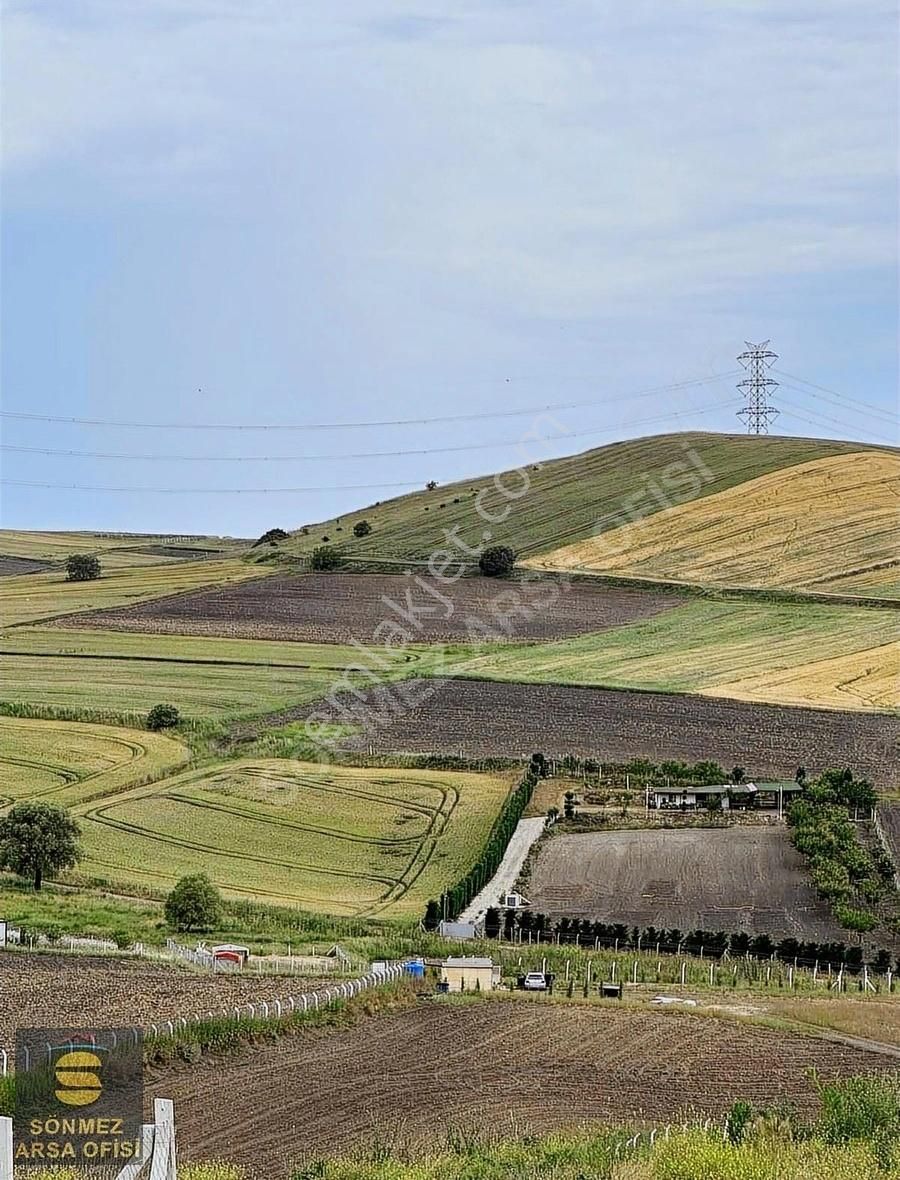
251,211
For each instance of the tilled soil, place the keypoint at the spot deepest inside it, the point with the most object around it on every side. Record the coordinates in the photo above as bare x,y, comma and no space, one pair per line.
483,719
510,1067
747,879
56,991
338,608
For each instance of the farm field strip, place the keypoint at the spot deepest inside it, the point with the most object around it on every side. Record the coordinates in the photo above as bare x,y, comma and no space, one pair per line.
791,527
738,879
488,1064
48,545
483,718
32,598
69,762
343,608
346,840
776,651
53,990
202,677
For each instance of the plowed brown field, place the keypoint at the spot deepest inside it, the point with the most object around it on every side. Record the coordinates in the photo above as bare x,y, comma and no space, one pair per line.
737,879
483,718
337,608
53,991
511,1066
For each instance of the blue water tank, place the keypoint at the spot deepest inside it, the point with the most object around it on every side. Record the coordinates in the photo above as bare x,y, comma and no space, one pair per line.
415,967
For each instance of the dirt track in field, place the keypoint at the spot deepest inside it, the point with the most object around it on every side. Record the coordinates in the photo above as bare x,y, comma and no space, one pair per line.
510,1066
483,718
337,608
54,991
748,879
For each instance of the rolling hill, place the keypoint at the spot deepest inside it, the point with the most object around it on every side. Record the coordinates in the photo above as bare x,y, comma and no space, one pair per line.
816,525
569,500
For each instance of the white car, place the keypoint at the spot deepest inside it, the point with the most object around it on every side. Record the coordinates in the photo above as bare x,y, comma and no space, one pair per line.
535,981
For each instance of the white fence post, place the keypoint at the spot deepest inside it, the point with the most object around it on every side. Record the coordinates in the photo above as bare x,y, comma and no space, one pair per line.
6,1149
162,1164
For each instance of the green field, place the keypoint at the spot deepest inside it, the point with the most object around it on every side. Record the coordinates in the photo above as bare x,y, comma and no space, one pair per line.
31,598
69,762
705,644
224,678
568,499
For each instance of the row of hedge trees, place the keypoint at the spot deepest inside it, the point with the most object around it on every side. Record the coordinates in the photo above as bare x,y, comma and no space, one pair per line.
847,875
455,899
518,925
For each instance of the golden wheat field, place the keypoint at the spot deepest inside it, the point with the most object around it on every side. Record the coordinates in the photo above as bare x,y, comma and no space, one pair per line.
804,526
868,679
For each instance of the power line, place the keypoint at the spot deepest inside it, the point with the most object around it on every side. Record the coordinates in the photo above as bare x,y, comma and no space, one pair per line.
817,419
518,442
341,487
875,415
836,393
443,418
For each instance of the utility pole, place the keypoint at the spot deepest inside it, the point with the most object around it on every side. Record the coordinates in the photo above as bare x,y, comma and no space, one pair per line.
755,387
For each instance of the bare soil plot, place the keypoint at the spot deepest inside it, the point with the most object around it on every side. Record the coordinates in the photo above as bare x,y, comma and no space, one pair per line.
10,566
736,879
492,1065
889,816
483,718
338,608
56,991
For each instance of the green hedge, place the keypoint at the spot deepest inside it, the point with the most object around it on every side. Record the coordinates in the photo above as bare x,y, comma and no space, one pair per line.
457,897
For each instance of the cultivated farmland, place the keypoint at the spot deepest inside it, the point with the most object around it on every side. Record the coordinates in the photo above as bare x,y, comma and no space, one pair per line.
50,991
806,526
36,597
839,657
739,879
341,840
11,566
483,719
125,673
68,762
567,499
488,1066
339,608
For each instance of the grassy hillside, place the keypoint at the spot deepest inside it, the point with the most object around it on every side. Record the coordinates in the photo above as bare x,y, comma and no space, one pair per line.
32,597
812,525
831,656
568,499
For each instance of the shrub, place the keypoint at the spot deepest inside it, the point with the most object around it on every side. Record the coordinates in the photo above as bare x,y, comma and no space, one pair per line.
497,561
271,537
194,904
82,567
362,528
163,717
324,558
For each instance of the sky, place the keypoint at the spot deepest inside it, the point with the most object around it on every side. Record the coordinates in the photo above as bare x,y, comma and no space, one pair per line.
265,214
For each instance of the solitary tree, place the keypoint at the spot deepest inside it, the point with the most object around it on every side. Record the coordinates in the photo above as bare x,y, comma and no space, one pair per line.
497,561
432,915
194,904
82,567
163,717
431,485
362,528
271,537
37,839
324,558
738,774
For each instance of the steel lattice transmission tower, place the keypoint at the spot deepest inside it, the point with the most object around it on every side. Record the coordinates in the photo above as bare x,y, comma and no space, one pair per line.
755,387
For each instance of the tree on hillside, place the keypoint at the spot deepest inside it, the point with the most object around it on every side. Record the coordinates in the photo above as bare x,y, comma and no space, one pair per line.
324,558
37,839
82,567
194,904
271,537
362,528
497,561
431,485
163,717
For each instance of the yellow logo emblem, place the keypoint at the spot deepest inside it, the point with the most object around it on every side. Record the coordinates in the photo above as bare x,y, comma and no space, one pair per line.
78,1078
